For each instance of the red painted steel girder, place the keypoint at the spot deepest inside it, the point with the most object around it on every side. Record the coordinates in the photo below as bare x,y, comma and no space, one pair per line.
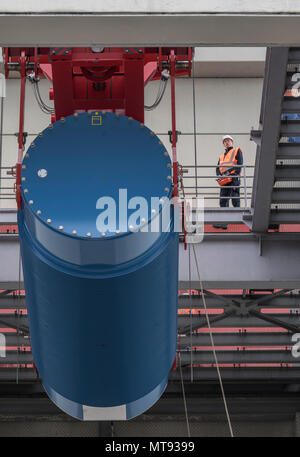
86,79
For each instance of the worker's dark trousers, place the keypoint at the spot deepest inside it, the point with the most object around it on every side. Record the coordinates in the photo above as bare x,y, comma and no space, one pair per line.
233,193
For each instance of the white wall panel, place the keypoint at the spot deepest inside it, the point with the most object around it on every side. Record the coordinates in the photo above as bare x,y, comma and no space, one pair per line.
160,119
223,105
228,104
35,119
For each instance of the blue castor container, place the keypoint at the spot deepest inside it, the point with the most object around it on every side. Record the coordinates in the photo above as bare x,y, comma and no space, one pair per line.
101,299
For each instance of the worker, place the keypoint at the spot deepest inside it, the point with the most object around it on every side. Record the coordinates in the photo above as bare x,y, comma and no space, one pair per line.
228,170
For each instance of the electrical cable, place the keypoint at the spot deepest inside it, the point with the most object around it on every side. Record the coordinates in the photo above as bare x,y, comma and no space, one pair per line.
45,108
160,93
36,91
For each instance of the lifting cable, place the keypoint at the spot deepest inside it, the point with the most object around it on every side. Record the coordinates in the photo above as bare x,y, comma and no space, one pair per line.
18,317
200,281
213,346
180,366
184,398
195,126
191,323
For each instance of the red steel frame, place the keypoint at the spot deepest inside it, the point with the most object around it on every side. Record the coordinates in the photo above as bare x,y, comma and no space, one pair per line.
111,80
174,133
21,127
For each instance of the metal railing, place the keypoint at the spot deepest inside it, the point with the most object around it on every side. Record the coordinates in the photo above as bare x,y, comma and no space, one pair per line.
7,183
205,190
7,180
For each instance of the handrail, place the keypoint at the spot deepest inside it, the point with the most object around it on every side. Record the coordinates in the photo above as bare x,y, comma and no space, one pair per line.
246,191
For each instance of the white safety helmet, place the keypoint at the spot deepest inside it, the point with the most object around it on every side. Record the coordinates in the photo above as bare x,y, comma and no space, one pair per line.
227,136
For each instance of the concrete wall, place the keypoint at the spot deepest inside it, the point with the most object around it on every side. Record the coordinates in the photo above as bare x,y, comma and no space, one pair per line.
222,105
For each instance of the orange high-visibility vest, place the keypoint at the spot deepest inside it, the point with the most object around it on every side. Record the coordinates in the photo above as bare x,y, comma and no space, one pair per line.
229,160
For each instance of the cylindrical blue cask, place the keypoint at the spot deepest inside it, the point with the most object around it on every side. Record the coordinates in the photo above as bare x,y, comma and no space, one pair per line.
100,264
